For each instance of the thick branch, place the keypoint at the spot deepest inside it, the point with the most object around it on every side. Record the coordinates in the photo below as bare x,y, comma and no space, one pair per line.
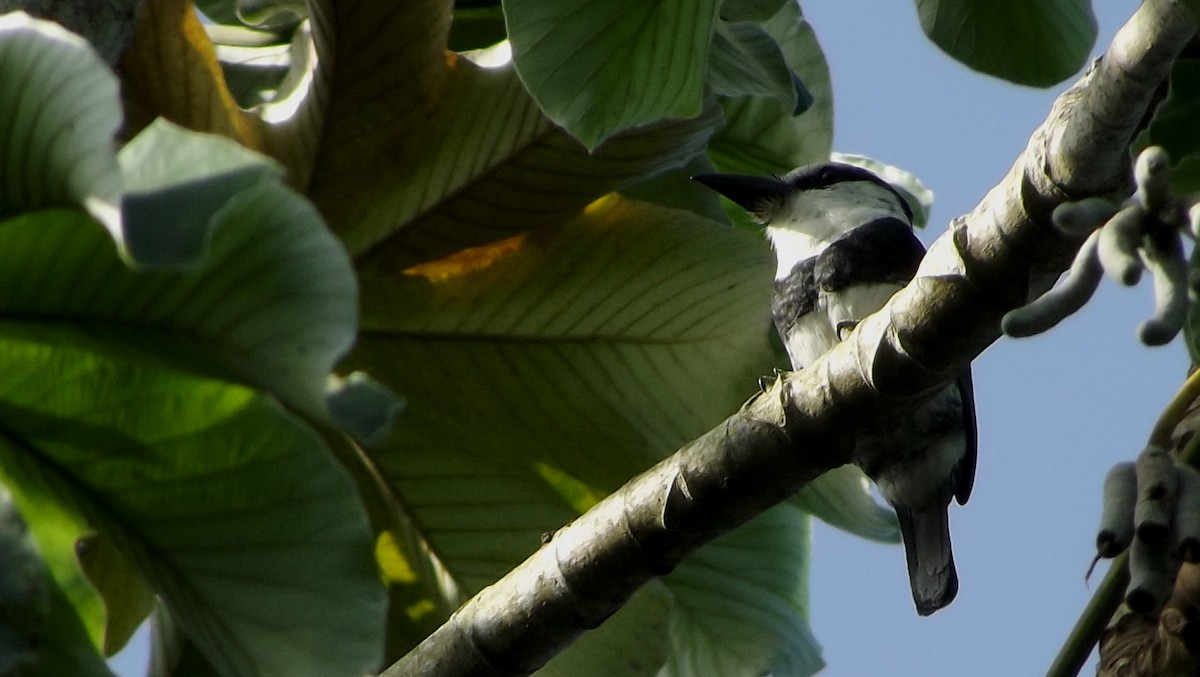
992,260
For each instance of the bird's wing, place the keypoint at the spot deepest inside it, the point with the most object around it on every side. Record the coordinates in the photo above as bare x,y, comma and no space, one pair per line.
795,295
883,250
966,466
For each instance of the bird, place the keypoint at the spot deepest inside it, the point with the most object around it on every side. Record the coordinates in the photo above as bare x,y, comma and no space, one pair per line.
844,244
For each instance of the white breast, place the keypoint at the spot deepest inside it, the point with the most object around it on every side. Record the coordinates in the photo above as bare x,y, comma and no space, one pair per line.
856,302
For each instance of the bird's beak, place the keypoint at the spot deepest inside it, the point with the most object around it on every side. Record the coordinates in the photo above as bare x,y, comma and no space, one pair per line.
752,193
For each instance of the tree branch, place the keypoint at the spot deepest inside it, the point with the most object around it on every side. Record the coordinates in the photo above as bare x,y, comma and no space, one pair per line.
996,258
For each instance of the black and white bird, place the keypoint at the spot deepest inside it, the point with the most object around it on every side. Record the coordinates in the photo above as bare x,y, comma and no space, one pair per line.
844,243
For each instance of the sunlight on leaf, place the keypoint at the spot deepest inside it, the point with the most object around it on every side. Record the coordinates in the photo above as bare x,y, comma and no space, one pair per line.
225,503
596,348
578,495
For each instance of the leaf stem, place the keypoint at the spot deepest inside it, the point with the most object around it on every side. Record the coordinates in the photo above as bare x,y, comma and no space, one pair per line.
1175,411
1079,644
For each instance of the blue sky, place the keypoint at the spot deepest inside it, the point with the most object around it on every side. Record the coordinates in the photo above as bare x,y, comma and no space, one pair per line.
1055,411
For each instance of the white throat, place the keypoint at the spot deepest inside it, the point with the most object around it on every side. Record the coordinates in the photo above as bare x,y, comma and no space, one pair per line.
806,223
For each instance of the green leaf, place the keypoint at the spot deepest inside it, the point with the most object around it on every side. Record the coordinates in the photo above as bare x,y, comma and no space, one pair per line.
189,178
65,649
631,642
1174,123
917,194
254,74
760,135
265,294
509,172
268,309
745,61
59,110
1030,42
165,155
264,14
362,407
172,654
741,602
220,11
589,351
597,68
273,302
1185,175
272,14
1192,6
1191,328
230,507
477,27
842,498
127,599
750,10
40,635
674,188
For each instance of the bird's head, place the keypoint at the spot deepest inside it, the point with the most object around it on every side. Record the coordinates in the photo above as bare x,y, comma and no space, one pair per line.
813,205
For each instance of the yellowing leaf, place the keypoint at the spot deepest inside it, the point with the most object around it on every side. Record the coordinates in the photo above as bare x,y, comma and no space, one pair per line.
171,70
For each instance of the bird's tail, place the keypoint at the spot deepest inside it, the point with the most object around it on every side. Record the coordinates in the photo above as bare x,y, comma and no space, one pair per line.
931,574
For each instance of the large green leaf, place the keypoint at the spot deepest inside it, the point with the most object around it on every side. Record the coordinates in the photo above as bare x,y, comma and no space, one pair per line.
58,114
597,68
187,177
230,508
273,303
760,135
674,188
40,635
263,293
745,61
750,10
172,654
588,352
127,598
1029,42
741,602
423,153
485,167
